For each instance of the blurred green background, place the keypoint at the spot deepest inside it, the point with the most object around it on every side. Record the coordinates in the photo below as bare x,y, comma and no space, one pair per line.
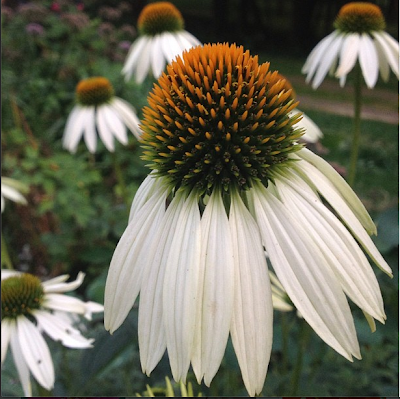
76,212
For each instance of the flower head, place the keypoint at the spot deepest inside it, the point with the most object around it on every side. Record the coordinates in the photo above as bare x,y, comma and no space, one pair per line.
229,180
162,38
99,109
29,308
359,36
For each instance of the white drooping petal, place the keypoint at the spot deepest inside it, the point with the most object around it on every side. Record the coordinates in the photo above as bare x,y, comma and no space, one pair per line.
328,59
312,131
190,38
314,290
344,208
114,123
157,56
89,129
384,67
128,115
133,57
57,285
7,330
60,330
64,303
341,251
342,187
251,328
125,272
74,128
180,285
368,58
35,352
216,290
20,363
170,46
348,54
104,129
92,307
388,49
143,65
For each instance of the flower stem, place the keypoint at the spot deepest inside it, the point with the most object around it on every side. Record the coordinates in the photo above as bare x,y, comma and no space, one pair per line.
120,180
5,257
356,125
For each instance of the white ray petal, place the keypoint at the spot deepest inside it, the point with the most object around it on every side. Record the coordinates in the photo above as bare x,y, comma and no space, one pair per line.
60,330
64,303
104,129
114,123
143,65
68,126
133,56
157,57
12,194
170,46
335,199
7,330
385,44
128,115
312,131
125,272
251,328
57,284
384,67
327,61
74,128
340,249
348,54
20,363
180,286
342,187
190,38
368,60
314,291
215,296
35,352
89,129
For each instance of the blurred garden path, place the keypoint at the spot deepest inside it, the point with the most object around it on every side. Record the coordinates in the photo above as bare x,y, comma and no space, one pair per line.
379,104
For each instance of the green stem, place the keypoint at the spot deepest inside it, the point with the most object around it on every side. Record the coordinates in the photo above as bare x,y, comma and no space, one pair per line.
356,125
5,257
120,180
302,344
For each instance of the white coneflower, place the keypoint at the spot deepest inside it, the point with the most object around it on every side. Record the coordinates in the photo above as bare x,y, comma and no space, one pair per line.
12,190
280,299
359,36
229,179
161,38
98,111
312,133
30,307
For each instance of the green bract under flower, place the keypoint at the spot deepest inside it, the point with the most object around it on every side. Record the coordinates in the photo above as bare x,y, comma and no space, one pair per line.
219,119
20,295
360,17
94,91
160,17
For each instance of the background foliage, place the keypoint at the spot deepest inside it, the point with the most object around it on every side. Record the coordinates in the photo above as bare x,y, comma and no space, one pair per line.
77,212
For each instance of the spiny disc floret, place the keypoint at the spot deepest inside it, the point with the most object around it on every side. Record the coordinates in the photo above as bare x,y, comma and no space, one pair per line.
360,17
160,17
218,118
20,295
94,91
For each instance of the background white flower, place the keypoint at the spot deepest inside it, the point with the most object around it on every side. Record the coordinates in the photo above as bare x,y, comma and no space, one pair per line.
162,38
99,111
359,37
29,308
12,190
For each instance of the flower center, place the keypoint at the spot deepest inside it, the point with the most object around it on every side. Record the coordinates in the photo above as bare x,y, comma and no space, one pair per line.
218,118
360,17
20,295
159,17
94,91
287,86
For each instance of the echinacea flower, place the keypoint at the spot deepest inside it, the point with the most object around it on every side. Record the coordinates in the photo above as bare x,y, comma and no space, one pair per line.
312,133
30,307
161,38
229,180
359,36
98,110
12,190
